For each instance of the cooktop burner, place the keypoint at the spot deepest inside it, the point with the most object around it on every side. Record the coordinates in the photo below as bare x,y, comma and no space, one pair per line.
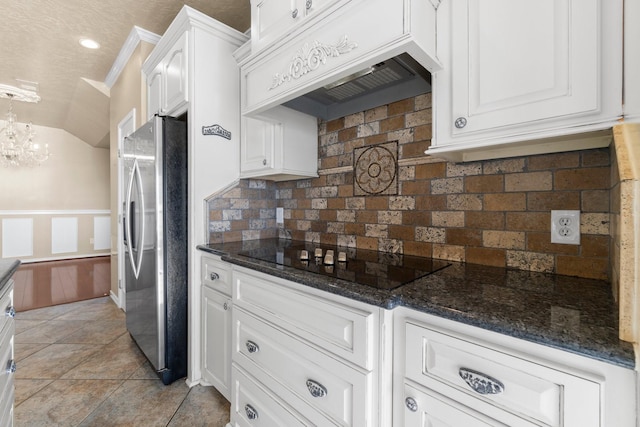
382,270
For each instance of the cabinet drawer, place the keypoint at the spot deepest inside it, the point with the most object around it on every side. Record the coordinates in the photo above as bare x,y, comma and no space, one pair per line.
423,407
253,405
344,330
216,275
7,311
325,384
6,358
529,390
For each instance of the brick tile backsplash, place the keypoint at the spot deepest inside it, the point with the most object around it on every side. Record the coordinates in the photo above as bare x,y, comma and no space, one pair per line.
494,212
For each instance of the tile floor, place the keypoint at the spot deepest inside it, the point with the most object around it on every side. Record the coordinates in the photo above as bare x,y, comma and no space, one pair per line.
77,366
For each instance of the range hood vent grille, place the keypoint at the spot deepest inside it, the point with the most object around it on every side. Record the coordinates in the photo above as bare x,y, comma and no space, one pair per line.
389,81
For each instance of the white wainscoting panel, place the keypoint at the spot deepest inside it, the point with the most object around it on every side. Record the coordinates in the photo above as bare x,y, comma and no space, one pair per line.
17,237
101,233
64,235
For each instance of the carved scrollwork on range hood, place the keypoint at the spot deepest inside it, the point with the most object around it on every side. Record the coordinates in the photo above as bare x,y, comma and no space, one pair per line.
309,58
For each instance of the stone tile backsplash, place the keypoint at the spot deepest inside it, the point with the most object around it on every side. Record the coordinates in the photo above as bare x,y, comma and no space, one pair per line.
494,212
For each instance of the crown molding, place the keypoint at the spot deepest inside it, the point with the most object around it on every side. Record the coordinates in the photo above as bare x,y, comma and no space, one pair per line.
136,35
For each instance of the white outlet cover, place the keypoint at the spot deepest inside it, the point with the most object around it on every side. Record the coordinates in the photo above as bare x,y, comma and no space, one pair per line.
565,227
279,215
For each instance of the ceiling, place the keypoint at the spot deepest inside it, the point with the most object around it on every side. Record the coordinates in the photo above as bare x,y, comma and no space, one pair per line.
39,43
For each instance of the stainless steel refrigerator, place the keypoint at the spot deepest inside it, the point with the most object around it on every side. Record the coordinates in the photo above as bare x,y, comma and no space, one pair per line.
155,241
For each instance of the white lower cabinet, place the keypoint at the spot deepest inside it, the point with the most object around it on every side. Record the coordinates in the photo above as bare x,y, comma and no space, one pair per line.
448,371
319,354
216,324
7,362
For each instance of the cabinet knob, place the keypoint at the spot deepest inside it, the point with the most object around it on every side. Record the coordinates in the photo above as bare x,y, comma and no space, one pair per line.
316,389
481,383
309,4
460,122
294,13
251,412
214,276
11,366
411,403
10,311
264,162
225,306
252,347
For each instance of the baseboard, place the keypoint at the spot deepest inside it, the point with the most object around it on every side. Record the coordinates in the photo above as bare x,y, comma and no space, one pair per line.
115,299
64,257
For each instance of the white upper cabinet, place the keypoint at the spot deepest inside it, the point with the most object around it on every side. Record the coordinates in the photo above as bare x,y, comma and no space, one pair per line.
517,71
271,19
280,145
167,83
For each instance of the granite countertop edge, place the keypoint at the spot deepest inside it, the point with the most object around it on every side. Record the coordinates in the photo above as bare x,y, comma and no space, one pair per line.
617,353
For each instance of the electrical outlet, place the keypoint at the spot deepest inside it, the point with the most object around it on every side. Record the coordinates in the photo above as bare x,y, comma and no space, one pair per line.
279,215
565,227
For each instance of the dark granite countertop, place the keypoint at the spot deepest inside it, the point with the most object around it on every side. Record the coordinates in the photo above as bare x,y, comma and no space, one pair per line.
7,268
567,313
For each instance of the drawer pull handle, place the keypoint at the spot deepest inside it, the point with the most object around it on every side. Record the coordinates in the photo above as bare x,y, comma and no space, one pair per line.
252,347
294,13
214,276
11,366
411,403
251,412
316,389
481,383
10,311
309,3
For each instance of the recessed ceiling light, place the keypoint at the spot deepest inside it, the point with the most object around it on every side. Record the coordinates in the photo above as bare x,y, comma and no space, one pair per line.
90,44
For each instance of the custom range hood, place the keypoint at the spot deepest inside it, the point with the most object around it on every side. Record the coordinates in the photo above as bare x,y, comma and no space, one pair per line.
388,81
347,57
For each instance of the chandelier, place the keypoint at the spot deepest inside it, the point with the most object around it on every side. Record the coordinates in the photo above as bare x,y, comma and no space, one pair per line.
17,146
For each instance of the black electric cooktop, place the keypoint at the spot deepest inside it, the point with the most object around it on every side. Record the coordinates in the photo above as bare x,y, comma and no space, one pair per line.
382,270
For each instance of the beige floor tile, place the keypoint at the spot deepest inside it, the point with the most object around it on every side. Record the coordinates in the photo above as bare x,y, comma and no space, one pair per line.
27,388
47,313
55,360
139,403
96,309
49,332
26,324
144,372
96,332
21,351
63,403
204,406
113,361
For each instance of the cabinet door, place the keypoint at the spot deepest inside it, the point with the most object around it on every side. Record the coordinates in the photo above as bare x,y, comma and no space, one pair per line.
175,74
216,340
258,144
273,18
154,92
515,62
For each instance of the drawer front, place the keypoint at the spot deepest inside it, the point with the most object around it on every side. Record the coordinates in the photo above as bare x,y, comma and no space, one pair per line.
343,330
426,408
216,275
7,311
520,387
327,385
254,406
6,358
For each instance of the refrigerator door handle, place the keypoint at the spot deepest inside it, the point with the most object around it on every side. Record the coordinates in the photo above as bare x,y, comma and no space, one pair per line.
130,231
143,214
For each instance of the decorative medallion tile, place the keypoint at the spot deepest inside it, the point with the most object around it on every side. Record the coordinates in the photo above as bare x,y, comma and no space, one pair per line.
375,169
